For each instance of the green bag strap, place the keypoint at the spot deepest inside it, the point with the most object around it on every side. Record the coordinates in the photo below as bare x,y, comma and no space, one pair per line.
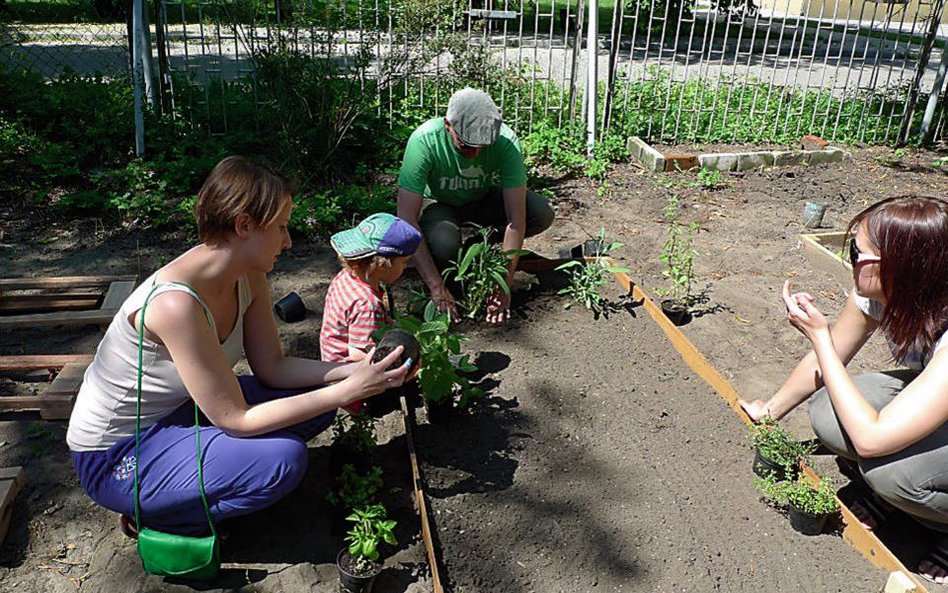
138,411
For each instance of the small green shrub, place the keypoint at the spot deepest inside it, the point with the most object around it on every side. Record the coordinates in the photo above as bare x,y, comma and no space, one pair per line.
439,377
354,490
777,445
480,269
709,179
371,528
678,256
355,433
799,494
585,279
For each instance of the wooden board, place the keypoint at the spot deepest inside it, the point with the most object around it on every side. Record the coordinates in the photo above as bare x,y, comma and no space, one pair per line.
822,250
33,362
12,480
56,402
115,290
420,499
863,540
61,282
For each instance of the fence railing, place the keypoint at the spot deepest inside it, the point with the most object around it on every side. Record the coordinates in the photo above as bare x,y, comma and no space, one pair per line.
668,70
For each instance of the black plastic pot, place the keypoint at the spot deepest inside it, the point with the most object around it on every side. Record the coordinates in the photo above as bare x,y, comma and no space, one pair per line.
393,339
763,467
353,583
806,523
593,247
290,308
676,312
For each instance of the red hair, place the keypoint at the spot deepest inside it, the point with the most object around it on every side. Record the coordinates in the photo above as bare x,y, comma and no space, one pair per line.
911,235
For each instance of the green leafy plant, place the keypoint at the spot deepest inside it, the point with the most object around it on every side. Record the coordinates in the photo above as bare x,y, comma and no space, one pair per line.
371,528
678,256
355,432
480,269
709,179
585,279
777,445
354,490
799,494
441,358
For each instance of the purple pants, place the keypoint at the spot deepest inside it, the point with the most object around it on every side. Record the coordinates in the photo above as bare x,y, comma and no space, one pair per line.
241,475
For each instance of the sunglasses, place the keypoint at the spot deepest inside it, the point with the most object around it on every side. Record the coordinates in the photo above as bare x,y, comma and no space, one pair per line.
857,257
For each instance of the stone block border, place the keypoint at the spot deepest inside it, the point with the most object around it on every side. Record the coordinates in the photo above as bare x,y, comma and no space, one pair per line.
657,162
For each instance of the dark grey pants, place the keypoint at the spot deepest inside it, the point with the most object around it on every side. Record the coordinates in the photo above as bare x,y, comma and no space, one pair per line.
915,479
441,223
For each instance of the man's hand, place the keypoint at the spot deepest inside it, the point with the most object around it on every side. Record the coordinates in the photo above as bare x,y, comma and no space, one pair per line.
498,306
444,301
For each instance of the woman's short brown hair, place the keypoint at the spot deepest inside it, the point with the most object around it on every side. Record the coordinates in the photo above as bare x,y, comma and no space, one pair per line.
911,235
238,185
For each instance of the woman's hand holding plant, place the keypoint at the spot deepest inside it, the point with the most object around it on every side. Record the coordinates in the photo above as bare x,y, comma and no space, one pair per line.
370,378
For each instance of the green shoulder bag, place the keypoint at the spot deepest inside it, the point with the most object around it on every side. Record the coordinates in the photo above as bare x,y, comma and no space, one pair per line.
168,554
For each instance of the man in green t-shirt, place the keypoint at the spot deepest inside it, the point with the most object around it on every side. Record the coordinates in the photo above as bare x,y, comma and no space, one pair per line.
469,168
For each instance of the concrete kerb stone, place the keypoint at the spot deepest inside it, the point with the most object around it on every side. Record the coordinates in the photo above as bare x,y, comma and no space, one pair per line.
651,158
738,161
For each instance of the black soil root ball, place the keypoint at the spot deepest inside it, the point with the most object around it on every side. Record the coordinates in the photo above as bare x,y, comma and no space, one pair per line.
393,339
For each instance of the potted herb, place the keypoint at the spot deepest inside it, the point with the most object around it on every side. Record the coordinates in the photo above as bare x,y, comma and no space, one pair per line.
358,563
776,451
479,270
440,376
585,279
808,507
678,256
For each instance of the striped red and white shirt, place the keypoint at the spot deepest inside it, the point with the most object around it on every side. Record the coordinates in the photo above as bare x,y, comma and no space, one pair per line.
352,312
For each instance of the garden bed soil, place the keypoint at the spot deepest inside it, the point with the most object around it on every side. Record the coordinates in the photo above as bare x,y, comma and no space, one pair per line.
599,460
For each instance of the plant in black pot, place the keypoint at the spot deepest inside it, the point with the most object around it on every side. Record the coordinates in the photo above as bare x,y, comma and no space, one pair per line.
808,507
358,563
776,451
585,279
678,256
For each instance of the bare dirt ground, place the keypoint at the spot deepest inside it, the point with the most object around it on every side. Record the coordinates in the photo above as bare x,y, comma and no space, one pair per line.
598,462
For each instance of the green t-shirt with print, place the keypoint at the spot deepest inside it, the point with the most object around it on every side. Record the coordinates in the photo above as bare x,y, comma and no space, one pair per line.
434,168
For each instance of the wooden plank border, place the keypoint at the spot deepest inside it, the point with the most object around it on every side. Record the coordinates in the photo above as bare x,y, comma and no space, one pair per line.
417,483
860,538
116,290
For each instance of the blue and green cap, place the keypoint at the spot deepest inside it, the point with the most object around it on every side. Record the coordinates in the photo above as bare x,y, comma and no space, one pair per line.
379,234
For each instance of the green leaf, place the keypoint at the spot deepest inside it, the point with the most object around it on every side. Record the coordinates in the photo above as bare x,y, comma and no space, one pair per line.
501,282
469,257
570,264
431,310
517,252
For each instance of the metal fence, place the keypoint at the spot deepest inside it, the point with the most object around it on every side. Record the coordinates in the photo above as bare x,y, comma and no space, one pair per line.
669,70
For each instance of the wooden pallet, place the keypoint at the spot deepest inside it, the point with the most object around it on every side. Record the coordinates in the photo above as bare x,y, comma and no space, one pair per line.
56,401
12,480
96,305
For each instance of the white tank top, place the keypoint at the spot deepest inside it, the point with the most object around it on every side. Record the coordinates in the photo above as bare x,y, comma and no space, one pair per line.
104,413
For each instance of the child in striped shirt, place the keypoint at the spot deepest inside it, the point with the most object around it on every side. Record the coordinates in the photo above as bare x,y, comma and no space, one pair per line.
374,252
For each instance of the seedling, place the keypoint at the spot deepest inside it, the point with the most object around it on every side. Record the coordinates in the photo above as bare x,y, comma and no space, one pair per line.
355,433
709,179
480,269
799,494
678,256
441,358
585,280
353,490
369,530
778,446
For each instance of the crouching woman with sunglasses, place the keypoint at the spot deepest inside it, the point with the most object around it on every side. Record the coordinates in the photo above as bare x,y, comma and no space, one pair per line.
892,426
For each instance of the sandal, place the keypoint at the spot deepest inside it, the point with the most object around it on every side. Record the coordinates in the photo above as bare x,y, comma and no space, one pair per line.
934,567
871,511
